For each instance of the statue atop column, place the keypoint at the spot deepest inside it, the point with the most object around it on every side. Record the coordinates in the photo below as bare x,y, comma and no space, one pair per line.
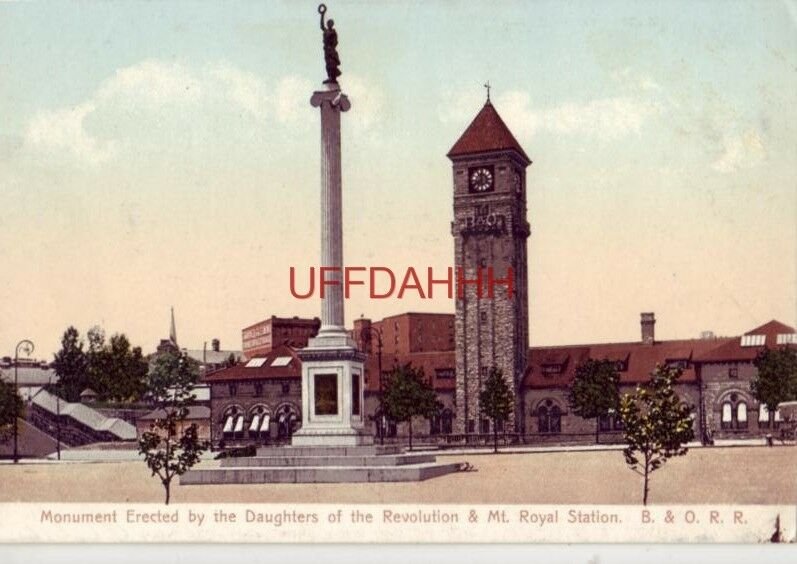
331,57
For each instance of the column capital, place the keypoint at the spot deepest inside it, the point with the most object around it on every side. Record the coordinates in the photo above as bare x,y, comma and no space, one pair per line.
335,98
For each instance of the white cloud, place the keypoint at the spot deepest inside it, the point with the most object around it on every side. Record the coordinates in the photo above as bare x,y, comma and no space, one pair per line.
634,81
292,100
367,102
62,131
243,88
152,83
155,104
741,152
606,118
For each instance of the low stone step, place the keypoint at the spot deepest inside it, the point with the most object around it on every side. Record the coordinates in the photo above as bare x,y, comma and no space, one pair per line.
372,460
317,475
370,450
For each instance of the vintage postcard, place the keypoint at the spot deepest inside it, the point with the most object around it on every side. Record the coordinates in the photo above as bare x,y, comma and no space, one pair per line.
398,272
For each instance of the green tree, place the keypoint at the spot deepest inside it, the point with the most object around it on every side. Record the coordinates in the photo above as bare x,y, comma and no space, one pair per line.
594,391
776,380
657,424
116,371
171,446
496,401
11,407
407,394
70,365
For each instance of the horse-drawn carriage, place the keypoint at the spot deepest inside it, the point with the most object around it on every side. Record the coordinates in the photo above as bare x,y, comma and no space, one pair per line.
788,425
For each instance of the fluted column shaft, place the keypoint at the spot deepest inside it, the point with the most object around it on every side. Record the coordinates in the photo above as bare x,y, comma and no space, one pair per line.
331,102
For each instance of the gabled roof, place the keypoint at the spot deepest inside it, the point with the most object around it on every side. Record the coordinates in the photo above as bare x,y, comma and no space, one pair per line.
254,369
641,359
733,351
773,327
487,133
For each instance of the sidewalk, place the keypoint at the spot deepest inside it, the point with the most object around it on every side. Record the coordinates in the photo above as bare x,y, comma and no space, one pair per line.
528,449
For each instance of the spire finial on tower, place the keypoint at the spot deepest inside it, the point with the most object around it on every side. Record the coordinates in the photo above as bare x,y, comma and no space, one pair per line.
487,86
173,330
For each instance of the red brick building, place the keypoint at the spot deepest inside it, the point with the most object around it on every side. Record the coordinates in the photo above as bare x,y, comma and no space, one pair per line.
263,336
258,401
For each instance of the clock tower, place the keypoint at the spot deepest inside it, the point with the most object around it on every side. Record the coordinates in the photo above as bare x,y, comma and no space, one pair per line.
490,232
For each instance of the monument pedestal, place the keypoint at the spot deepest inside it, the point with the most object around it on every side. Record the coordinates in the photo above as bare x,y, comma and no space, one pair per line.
332,393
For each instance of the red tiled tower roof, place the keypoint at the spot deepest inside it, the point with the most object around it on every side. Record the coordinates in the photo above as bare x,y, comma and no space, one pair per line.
486,133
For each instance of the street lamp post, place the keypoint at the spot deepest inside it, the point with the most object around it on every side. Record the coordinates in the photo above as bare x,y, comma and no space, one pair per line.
57,418
367,334
27,347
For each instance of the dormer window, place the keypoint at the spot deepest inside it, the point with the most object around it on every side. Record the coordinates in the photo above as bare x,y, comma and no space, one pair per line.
552,368
753,340
678,363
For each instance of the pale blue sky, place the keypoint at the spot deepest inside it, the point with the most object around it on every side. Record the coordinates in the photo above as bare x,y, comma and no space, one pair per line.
158,154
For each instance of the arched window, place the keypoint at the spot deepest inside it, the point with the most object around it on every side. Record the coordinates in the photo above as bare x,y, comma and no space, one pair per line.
233,418
763,416
448,420
434,424
727,415
260,419
741,415
287,420
556,419
543,423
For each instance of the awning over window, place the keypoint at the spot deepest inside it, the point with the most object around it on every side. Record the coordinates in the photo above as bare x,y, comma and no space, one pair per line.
228,424
239,424
763,412
255,423
264,425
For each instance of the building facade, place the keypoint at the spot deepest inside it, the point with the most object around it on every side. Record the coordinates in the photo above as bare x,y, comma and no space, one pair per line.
263,336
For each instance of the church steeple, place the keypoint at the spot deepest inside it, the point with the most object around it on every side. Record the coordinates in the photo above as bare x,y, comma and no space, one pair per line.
487,133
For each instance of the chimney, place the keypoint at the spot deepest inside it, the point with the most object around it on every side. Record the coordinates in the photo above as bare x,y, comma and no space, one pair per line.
648,323
216,344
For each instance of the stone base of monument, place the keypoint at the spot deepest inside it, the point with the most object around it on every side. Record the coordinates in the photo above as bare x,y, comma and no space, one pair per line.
316,465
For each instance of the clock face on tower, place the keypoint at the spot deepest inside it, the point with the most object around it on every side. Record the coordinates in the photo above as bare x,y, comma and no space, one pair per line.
480,179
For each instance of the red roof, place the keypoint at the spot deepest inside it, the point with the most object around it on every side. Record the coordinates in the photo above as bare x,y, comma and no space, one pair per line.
486,133
640,359
248,370
430,362
734,351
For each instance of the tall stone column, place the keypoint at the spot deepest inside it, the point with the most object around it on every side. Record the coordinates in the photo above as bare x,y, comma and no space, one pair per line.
331,103
332,367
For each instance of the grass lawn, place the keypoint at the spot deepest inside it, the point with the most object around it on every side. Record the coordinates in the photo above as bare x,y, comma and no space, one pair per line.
738,475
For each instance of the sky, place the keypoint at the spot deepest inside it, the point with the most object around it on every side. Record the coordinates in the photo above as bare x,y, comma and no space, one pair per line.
157,155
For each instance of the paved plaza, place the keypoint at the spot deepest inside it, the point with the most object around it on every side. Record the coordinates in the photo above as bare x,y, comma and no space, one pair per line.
738,475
